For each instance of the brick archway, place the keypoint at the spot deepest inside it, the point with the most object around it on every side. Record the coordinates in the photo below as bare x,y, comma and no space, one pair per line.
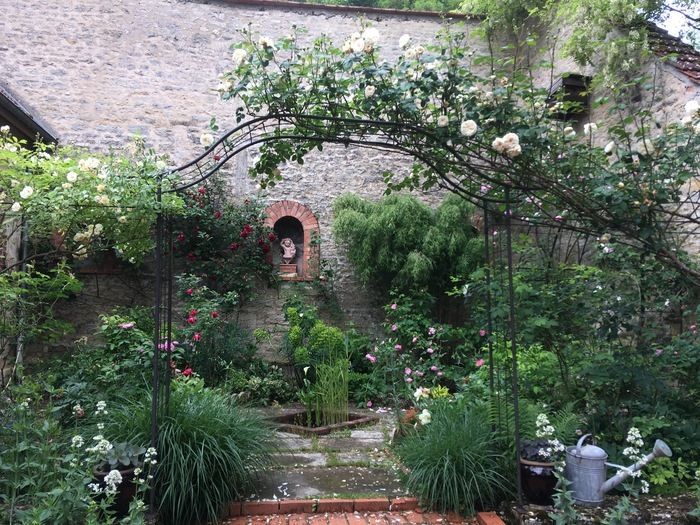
309,222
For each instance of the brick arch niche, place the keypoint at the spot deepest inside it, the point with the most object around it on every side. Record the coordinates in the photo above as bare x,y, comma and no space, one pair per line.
296,221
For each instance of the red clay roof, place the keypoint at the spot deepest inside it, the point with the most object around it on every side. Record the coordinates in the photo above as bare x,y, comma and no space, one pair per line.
686,58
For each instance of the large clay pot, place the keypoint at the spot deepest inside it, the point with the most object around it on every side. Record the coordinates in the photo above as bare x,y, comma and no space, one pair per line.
538,481
126,491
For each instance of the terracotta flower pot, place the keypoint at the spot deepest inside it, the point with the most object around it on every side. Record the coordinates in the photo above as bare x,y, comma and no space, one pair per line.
126,490
538,481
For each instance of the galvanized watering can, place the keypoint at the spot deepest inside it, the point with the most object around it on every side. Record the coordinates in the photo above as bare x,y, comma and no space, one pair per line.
585,469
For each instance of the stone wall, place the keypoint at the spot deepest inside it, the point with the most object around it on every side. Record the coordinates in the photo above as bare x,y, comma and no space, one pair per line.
100,72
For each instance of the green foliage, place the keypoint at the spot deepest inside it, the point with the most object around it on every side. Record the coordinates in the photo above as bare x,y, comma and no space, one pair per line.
564,510
399,243
452,460
223,243
208,449
260,383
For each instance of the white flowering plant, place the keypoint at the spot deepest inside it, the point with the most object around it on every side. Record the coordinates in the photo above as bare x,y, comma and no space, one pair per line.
76,204
473,129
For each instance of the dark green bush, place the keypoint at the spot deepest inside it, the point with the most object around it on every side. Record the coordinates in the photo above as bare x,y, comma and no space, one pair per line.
453,463
209,450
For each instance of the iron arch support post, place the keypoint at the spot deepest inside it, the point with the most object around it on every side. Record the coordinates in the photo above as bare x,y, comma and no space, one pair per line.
513,346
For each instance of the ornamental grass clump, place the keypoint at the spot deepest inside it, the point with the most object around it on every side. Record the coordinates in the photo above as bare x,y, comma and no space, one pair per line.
453,463
209,450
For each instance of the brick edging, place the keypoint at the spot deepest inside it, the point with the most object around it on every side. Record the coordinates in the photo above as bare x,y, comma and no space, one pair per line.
309,506
488,518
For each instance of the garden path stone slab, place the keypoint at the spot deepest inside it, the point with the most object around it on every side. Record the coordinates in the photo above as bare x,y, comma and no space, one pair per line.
314,482
350,443
301,459
293,442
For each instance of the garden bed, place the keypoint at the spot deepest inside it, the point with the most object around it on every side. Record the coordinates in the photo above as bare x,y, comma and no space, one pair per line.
295,422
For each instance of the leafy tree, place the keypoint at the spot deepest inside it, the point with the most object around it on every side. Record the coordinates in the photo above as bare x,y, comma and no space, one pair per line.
400,243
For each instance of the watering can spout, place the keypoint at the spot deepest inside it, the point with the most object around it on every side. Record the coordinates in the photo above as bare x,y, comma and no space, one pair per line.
661,449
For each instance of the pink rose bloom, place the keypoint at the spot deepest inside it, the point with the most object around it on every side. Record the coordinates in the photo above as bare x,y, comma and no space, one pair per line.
197,336
409,380
430,350
434,368
394,306
394,327
415,339
369,404
431,331
371,358
126,326
479,363
407,371
439,374
398,348
418,373
482,332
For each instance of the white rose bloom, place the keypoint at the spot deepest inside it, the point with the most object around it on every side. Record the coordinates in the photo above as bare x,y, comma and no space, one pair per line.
425,417
443,121
347,47
590,128
26,192
370,91
692,107
89,164
266,42
102,199
404,41
610,147
224,86
4,129
371,34
357,45
122,219
71,176
100,187
16,207
66,185
468,128
206,139
569,132
238,57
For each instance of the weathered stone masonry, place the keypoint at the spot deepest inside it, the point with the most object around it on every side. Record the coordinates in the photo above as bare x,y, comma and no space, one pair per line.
99,72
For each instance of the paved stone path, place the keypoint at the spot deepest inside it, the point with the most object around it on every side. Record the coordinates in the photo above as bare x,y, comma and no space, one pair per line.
350,463
353,518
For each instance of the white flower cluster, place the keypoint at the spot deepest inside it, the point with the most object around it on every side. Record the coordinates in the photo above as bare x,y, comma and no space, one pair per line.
266,42
421,393
635,443
590,128
112,479
239,56
508,145
4,129
692,114
100,407
92,230
362,42
77,441
545,430
26,192
414,52
89,164
425,417
102,446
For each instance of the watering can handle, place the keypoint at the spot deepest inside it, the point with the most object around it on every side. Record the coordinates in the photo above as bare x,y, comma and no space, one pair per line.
580,443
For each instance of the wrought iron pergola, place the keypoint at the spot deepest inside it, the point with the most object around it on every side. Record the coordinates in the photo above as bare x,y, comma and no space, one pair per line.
464,171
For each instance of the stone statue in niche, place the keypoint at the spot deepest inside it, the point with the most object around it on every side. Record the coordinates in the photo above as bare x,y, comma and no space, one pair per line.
289,250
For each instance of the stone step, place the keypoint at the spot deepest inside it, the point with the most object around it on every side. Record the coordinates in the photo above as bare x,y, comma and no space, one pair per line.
310,482
351,458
